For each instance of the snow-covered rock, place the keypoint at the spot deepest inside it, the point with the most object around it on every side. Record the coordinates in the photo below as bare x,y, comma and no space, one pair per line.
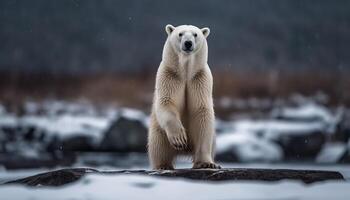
309,112
245,147
55,126
289,132
68,125
331,153
294,140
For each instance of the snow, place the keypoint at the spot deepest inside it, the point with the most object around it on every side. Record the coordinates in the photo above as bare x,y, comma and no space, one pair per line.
47,121
142,187
66,125
250,139
331,153
2,109
131,113
312,111
248,147
69,119
8,120
307,111
261,103
277,127
255,140
55,107
134,114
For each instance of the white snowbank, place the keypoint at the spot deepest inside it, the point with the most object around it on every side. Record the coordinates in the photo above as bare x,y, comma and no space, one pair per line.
276,128
312,111
306,111
254,103
255,140
134,114
100,187
68,119
248,147
8,120
331,153
67,125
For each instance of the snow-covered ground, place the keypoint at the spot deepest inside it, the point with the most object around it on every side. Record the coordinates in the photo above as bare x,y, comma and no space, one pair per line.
102,187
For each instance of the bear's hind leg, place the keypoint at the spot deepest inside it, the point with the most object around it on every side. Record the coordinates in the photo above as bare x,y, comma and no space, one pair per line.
160,152
203,136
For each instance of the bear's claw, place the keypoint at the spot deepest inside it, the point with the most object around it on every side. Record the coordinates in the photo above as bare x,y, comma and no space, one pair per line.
205,165
179,140
165,167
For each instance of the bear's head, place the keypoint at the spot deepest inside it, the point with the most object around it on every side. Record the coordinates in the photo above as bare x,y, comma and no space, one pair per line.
186,39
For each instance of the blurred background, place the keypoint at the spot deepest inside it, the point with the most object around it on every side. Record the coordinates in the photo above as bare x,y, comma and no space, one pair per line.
77,77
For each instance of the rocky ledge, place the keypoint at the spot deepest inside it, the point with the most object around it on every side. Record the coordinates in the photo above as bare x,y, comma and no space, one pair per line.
65,176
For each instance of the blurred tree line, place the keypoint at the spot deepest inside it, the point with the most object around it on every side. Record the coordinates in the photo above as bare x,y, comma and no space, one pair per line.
77,36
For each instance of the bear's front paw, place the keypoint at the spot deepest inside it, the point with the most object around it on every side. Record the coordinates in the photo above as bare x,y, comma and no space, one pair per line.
178,139
205,165
164,167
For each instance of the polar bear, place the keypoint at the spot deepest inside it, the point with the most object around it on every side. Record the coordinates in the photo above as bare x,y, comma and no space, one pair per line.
182,118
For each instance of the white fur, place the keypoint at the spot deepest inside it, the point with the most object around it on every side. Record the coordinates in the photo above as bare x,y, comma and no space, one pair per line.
182,119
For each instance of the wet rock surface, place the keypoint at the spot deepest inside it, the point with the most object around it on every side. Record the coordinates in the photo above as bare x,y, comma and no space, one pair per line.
65,176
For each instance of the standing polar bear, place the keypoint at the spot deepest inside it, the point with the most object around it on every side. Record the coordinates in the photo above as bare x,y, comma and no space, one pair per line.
182,119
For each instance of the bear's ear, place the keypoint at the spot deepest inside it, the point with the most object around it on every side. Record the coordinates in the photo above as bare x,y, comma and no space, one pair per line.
205,31
169,28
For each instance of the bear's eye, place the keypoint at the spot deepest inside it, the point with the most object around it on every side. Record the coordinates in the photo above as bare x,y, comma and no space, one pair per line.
195,35
180,34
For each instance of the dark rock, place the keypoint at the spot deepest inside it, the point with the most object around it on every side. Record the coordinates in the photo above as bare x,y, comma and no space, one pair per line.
302,146
30,134
78,143
54,178
125,135
74,143
65,176
15,161
345,158
342,132
227,156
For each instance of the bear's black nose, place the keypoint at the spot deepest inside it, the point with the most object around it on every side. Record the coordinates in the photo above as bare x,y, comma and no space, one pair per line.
188,44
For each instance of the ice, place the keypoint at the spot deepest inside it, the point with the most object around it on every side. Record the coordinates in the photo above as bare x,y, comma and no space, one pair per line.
103,187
